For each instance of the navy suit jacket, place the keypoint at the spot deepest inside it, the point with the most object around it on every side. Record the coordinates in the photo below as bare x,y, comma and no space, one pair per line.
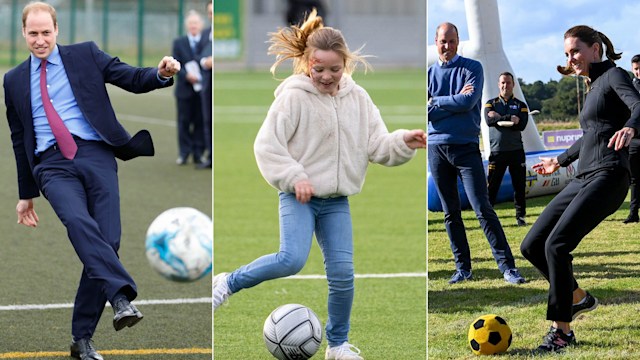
88,69
182,52
206,49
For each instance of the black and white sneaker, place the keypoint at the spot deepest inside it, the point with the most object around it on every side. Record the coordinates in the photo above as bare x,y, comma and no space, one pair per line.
589,303
556,340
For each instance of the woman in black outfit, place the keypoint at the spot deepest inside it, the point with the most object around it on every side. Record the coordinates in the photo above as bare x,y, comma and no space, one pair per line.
610,118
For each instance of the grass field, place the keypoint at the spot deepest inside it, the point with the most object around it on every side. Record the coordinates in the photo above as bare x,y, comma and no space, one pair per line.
39,266
389,314
605,263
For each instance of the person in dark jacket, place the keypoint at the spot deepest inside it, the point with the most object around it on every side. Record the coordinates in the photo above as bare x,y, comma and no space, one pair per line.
298,10
506,117
600,184
66,136
187,92
634,155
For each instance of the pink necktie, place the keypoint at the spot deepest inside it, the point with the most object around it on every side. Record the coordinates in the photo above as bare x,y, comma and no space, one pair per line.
67,145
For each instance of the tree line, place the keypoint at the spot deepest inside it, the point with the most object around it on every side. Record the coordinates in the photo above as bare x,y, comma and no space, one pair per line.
556,100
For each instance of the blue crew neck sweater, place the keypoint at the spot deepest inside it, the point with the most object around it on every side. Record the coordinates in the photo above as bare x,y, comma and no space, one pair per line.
454,118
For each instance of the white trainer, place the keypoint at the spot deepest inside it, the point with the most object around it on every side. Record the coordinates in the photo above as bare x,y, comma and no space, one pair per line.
345,351
221,290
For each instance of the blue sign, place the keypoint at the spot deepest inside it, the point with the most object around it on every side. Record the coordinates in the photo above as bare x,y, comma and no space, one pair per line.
560,139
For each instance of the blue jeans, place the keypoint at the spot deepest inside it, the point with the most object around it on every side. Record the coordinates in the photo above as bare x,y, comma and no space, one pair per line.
446,163
330,219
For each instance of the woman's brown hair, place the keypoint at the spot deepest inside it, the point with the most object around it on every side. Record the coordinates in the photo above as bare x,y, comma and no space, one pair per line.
589,36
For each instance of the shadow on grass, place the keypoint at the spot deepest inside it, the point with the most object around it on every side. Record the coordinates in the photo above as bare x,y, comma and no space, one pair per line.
436,225
474,300
599,271
458,299
576,254
467,297
436,219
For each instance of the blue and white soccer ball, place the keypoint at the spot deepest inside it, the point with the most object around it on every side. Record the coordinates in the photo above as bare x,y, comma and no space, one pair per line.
179,244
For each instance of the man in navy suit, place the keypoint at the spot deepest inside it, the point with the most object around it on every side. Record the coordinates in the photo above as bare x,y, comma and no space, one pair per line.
65,147
206,64
187,91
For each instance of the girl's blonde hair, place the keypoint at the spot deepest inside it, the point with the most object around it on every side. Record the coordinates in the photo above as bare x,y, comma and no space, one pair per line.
299,43
589,36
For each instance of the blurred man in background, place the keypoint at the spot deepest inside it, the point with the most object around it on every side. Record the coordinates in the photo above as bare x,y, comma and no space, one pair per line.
298,10
187,91
205,59
634,154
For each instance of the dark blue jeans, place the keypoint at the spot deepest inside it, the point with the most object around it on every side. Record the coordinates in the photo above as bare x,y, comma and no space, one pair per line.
447,163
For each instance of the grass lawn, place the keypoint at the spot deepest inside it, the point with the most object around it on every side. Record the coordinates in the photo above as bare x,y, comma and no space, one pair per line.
39,266
389,314
605,263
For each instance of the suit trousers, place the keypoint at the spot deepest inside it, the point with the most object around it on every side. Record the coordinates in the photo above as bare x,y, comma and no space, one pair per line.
498,164
206,97
84,194
562,225
190,127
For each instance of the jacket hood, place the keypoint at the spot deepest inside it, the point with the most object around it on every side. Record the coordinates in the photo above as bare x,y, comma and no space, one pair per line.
303,82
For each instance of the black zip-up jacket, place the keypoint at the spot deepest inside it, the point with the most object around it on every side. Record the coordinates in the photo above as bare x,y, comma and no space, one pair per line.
611,104
506,138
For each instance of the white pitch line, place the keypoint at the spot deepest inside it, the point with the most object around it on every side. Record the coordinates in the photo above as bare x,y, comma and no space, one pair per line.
259,109
362,276
204,300
147,120
270,86
136,302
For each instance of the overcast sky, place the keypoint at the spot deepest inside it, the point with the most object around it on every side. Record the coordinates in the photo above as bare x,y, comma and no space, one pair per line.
533,30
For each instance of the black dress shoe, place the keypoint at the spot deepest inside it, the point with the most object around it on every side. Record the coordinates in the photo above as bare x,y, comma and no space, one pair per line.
83,349
125,314
205,165
631,219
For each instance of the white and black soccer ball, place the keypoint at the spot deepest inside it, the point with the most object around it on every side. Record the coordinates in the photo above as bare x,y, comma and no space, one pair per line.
292,332
179,244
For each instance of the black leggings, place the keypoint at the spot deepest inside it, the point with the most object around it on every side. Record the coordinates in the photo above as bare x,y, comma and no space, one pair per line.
634,165
566,220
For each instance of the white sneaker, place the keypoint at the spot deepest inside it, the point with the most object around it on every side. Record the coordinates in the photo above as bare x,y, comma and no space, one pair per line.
221,290
343,352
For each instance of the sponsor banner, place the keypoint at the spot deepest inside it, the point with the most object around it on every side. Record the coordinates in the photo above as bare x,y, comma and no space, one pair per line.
227,37
560,139
539,185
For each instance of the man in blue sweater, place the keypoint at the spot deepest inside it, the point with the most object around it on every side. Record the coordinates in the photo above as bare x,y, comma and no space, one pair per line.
454,95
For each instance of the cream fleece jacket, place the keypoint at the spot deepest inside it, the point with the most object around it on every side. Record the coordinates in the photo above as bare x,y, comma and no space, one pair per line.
328,140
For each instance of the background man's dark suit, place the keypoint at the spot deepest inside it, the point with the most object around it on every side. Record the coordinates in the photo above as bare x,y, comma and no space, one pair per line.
87,206
190,123
206,93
